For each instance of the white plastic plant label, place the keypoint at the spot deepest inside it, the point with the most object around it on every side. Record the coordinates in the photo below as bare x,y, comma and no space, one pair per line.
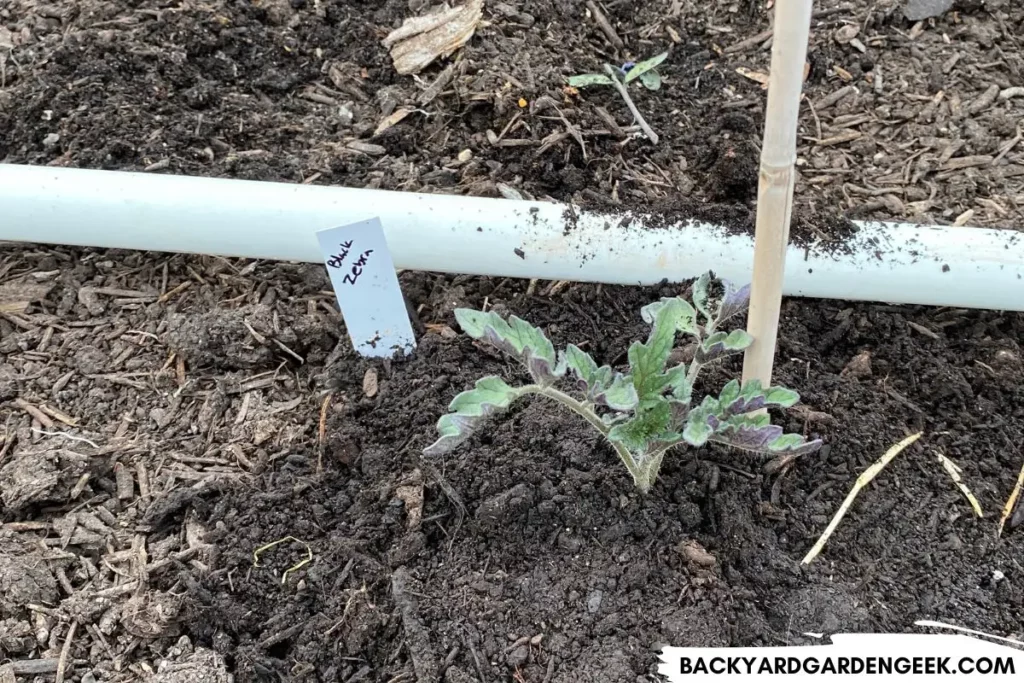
364,279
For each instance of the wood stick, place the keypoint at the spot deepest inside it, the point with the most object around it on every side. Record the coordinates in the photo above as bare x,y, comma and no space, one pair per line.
775,185
624,92
605,25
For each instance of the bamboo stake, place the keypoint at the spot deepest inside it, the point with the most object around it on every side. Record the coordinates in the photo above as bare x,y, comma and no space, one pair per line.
775,184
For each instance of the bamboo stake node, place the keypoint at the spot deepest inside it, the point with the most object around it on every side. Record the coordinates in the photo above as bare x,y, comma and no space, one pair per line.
775,184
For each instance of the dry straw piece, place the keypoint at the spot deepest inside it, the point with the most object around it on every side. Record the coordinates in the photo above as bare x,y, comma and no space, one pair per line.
863,480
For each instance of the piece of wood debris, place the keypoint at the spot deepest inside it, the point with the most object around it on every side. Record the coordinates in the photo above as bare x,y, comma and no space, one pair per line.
755,76
389,121
421,40
606,26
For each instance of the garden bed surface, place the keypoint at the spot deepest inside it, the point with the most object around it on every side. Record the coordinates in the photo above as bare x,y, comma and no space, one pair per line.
163,417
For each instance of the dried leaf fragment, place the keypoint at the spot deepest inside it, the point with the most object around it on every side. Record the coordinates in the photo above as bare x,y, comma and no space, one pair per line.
421,40
756,76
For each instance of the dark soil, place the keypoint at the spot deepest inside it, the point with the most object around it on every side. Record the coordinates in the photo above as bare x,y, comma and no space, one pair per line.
163,417
904,120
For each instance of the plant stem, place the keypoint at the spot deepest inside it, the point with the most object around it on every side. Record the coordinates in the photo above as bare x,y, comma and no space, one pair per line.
691,374
629,103
592,417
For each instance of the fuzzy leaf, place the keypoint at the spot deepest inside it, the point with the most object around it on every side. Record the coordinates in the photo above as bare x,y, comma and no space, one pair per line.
734,301
780,396
584,80
651,423
749,433
651,80
700,295
720,345
757,435
469,410
516,337
679,314
730,392
795,444
602,385
643,67
619,395
647,360
697,431
736,400
580,363
678,384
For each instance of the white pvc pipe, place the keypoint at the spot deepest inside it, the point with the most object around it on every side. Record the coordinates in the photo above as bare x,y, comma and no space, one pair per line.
895,263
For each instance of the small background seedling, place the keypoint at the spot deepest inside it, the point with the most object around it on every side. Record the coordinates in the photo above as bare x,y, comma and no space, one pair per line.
620,77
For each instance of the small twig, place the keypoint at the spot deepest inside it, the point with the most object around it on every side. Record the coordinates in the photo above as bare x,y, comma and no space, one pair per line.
605,25
863,480
65,651
37,414
322,433
629,103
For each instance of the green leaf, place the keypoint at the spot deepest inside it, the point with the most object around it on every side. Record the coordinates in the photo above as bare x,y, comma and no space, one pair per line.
620,394
781,397
469,410
697,431
679,384
652,422
647,360
698,423
516,337
679,314
719,345
601,384
700,295
643,67
585,80
794,444
581,363
730,392
651,80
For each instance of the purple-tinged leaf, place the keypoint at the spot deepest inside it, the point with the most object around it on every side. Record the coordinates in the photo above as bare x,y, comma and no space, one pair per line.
746,436
720,344
643,67
601,385
517,338
469,410
794,444
734,301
